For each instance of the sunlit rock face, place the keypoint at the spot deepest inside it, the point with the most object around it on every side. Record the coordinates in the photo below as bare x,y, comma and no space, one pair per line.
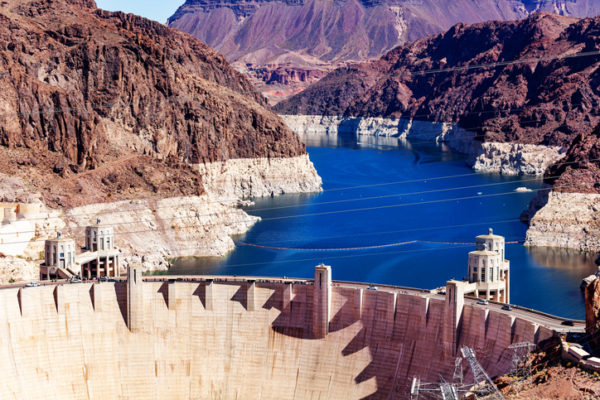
285,45
592,313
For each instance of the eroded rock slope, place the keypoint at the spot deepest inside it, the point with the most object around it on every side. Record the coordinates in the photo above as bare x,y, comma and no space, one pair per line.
99,107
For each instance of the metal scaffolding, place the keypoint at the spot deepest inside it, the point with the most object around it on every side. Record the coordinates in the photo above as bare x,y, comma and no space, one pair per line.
520,355
482,385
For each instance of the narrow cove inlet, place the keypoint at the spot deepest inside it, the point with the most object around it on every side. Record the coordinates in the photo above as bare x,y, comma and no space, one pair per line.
405,214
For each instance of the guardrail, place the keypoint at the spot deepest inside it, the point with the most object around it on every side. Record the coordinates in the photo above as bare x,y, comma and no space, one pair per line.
394,287
531,310
225,278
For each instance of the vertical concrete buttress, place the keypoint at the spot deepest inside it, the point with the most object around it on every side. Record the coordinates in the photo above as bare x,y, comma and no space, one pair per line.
322,300
96,297
171,295
287,297
208,295
455,301
251,296
135,299
59,299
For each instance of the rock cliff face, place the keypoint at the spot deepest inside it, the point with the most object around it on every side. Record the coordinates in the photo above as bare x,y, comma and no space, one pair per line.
567,220
99,107
568,216
283,36
122,83
592,313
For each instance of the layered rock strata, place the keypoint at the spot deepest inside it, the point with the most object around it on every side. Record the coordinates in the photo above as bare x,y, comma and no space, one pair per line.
259,177
568,220
568,216
514,158
152,231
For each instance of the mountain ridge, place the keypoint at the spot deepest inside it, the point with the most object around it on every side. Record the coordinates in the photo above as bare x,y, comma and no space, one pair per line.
301,40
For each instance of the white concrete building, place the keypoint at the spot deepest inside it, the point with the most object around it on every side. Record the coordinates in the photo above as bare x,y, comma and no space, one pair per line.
59,258
101,258
488,269
99,237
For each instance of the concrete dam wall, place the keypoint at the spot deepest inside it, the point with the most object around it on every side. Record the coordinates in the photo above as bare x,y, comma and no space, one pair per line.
232,338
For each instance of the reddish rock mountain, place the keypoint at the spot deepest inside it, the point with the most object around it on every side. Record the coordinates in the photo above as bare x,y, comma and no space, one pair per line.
547,100
320,34
579,171
116,96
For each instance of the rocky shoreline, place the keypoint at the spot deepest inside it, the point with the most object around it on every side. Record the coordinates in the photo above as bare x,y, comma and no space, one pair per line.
488,157
565,220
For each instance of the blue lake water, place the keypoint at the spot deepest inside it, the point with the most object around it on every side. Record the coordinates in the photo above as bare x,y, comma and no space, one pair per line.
379,194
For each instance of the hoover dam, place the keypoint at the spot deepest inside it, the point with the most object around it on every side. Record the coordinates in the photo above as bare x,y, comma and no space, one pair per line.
202,337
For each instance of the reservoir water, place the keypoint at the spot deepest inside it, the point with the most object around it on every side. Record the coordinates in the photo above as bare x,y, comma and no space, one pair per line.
387,192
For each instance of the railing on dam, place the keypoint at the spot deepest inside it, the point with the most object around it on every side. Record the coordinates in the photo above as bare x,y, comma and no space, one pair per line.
226,279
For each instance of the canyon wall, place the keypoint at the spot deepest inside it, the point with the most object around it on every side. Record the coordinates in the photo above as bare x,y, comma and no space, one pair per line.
244,339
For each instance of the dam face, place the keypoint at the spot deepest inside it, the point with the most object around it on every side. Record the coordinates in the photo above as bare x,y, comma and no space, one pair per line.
238,339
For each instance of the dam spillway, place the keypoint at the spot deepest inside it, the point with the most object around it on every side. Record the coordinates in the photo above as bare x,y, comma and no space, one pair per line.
242,338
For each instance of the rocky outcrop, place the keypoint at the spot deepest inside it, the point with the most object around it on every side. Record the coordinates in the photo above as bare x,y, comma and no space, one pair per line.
271,38
568,216
592,314
567,220
259,177
15,269
579,171
515,158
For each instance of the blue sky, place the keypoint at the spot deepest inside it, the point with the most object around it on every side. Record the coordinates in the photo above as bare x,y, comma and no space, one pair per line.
158,10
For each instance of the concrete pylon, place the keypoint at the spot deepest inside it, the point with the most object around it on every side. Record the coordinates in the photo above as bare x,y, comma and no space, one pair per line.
455,301
322,301
135,299
251,295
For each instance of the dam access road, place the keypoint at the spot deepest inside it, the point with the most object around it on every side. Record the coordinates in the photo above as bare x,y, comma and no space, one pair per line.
216,337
